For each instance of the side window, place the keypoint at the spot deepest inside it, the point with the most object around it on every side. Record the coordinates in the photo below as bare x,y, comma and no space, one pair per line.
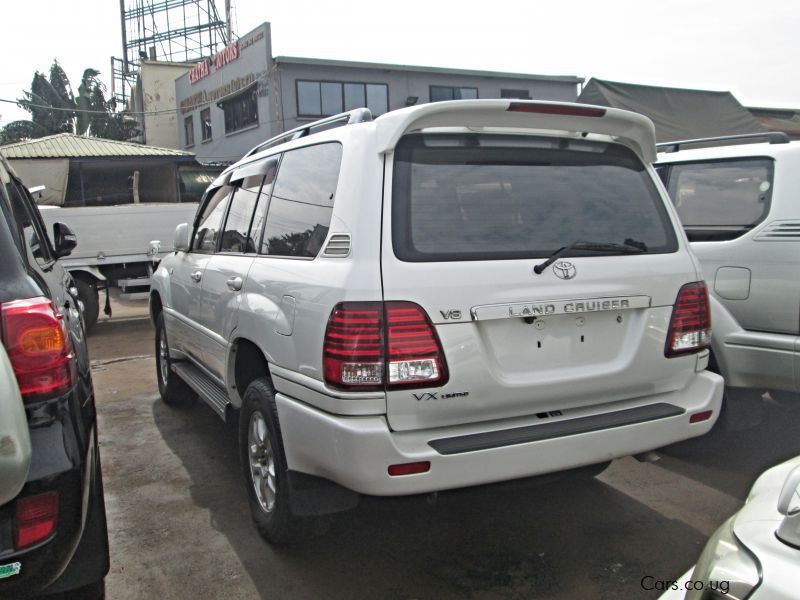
235,237
302,201
33,233
205,240
721,200
257,224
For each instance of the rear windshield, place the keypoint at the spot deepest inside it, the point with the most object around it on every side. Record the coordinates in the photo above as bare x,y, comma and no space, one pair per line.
722,199
487,197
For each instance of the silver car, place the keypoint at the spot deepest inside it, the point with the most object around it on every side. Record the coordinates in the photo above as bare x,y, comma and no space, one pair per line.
452,294
756,553
739,208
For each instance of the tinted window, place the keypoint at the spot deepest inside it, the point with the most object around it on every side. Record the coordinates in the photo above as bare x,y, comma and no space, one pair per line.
377,98
440,93
33,235
331,98
302,200
263,200
205,123
236,236
205,240
325,98
354,96
521,94
482,197
241,111
308,98
721,200
188,130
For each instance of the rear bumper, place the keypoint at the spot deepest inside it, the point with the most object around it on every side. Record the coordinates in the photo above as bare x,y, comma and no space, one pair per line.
758,360
356,452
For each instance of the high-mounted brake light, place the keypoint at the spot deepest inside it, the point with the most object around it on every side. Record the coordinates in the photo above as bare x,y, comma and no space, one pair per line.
556,109
35,519
372,345
690,325
38,347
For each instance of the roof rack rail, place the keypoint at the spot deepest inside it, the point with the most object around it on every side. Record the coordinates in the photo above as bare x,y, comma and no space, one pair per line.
773,137
358,115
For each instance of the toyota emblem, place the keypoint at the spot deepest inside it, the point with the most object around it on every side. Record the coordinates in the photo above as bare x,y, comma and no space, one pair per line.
564,269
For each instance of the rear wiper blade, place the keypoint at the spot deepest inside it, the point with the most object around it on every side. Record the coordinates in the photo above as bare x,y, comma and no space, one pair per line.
629,246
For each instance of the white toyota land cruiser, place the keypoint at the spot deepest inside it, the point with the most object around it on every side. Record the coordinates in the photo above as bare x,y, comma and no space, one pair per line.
452,294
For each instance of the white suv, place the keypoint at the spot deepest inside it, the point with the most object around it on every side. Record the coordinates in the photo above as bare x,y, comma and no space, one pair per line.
739,207
452,294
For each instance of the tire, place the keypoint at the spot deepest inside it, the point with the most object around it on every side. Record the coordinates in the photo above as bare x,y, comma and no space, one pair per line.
87,294
264,465
174,391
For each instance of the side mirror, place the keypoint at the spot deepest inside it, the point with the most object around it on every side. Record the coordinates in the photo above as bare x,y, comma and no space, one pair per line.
181,241
789,507
37,191
64,240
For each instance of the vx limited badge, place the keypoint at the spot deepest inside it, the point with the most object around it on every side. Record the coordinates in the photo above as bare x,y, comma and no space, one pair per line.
564,269
425,396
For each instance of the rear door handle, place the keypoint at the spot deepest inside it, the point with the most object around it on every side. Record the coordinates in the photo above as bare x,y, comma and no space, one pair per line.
197,275
235,284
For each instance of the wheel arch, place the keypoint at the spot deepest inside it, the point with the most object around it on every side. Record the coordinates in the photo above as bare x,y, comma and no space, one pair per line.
155,306
247,361
86,273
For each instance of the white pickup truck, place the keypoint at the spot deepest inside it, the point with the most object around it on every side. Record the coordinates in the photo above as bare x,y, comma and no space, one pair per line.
113,246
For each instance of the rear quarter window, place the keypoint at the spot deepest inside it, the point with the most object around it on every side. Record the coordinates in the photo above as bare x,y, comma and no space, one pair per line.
485,197
301,204
721,200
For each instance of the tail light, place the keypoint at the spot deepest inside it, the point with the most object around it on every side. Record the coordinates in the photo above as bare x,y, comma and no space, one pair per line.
378,345
35,519
38,347
690,325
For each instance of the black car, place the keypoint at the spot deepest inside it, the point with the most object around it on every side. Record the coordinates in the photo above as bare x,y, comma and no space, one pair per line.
53,535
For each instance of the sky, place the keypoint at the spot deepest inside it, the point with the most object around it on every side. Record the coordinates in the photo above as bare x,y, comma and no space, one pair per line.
748,47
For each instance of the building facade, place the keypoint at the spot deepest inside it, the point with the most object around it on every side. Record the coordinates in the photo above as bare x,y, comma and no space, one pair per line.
153,103
243,95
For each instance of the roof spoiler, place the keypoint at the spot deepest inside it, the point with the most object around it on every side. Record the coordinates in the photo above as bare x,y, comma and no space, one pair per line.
773,137
634,130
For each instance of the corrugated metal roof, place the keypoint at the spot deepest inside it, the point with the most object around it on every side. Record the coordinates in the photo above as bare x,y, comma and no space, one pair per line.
67,145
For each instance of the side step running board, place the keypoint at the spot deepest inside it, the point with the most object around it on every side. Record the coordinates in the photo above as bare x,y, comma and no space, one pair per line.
549,431
208,389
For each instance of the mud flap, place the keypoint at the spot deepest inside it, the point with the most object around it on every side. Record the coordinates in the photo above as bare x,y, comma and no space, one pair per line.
315,496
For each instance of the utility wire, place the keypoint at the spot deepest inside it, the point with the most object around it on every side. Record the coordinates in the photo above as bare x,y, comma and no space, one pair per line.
102,112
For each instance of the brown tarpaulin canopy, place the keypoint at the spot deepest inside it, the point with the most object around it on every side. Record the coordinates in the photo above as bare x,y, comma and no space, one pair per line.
678,114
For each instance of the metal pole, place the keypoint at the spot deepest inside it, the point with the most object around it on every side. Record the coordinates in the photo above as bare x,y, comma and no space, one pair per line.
124,36
228,35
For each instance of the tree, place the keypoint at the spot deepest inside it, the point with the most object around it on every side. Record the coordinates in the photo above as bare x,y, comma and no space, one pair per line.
54,109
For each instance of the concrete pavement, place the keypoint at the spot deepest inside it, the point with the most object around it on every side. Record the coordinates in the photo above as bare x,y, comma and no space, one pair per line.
180,526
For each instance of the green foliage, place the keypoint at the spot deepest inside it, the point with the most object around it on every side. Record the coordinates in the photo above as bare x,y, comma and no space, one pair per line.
54,109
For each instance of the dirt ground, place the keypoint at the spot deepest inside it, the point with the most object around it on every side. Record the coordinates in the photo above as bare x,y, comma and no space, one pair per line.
180,526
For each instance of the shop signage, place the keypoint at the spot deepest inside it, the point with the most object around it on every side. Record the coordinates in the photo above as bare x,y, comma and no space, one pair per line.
218,93
222,58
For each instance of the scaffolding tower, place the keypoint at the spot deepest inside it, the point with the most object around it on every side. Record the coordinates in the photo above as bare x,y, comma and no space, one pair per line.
166,30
